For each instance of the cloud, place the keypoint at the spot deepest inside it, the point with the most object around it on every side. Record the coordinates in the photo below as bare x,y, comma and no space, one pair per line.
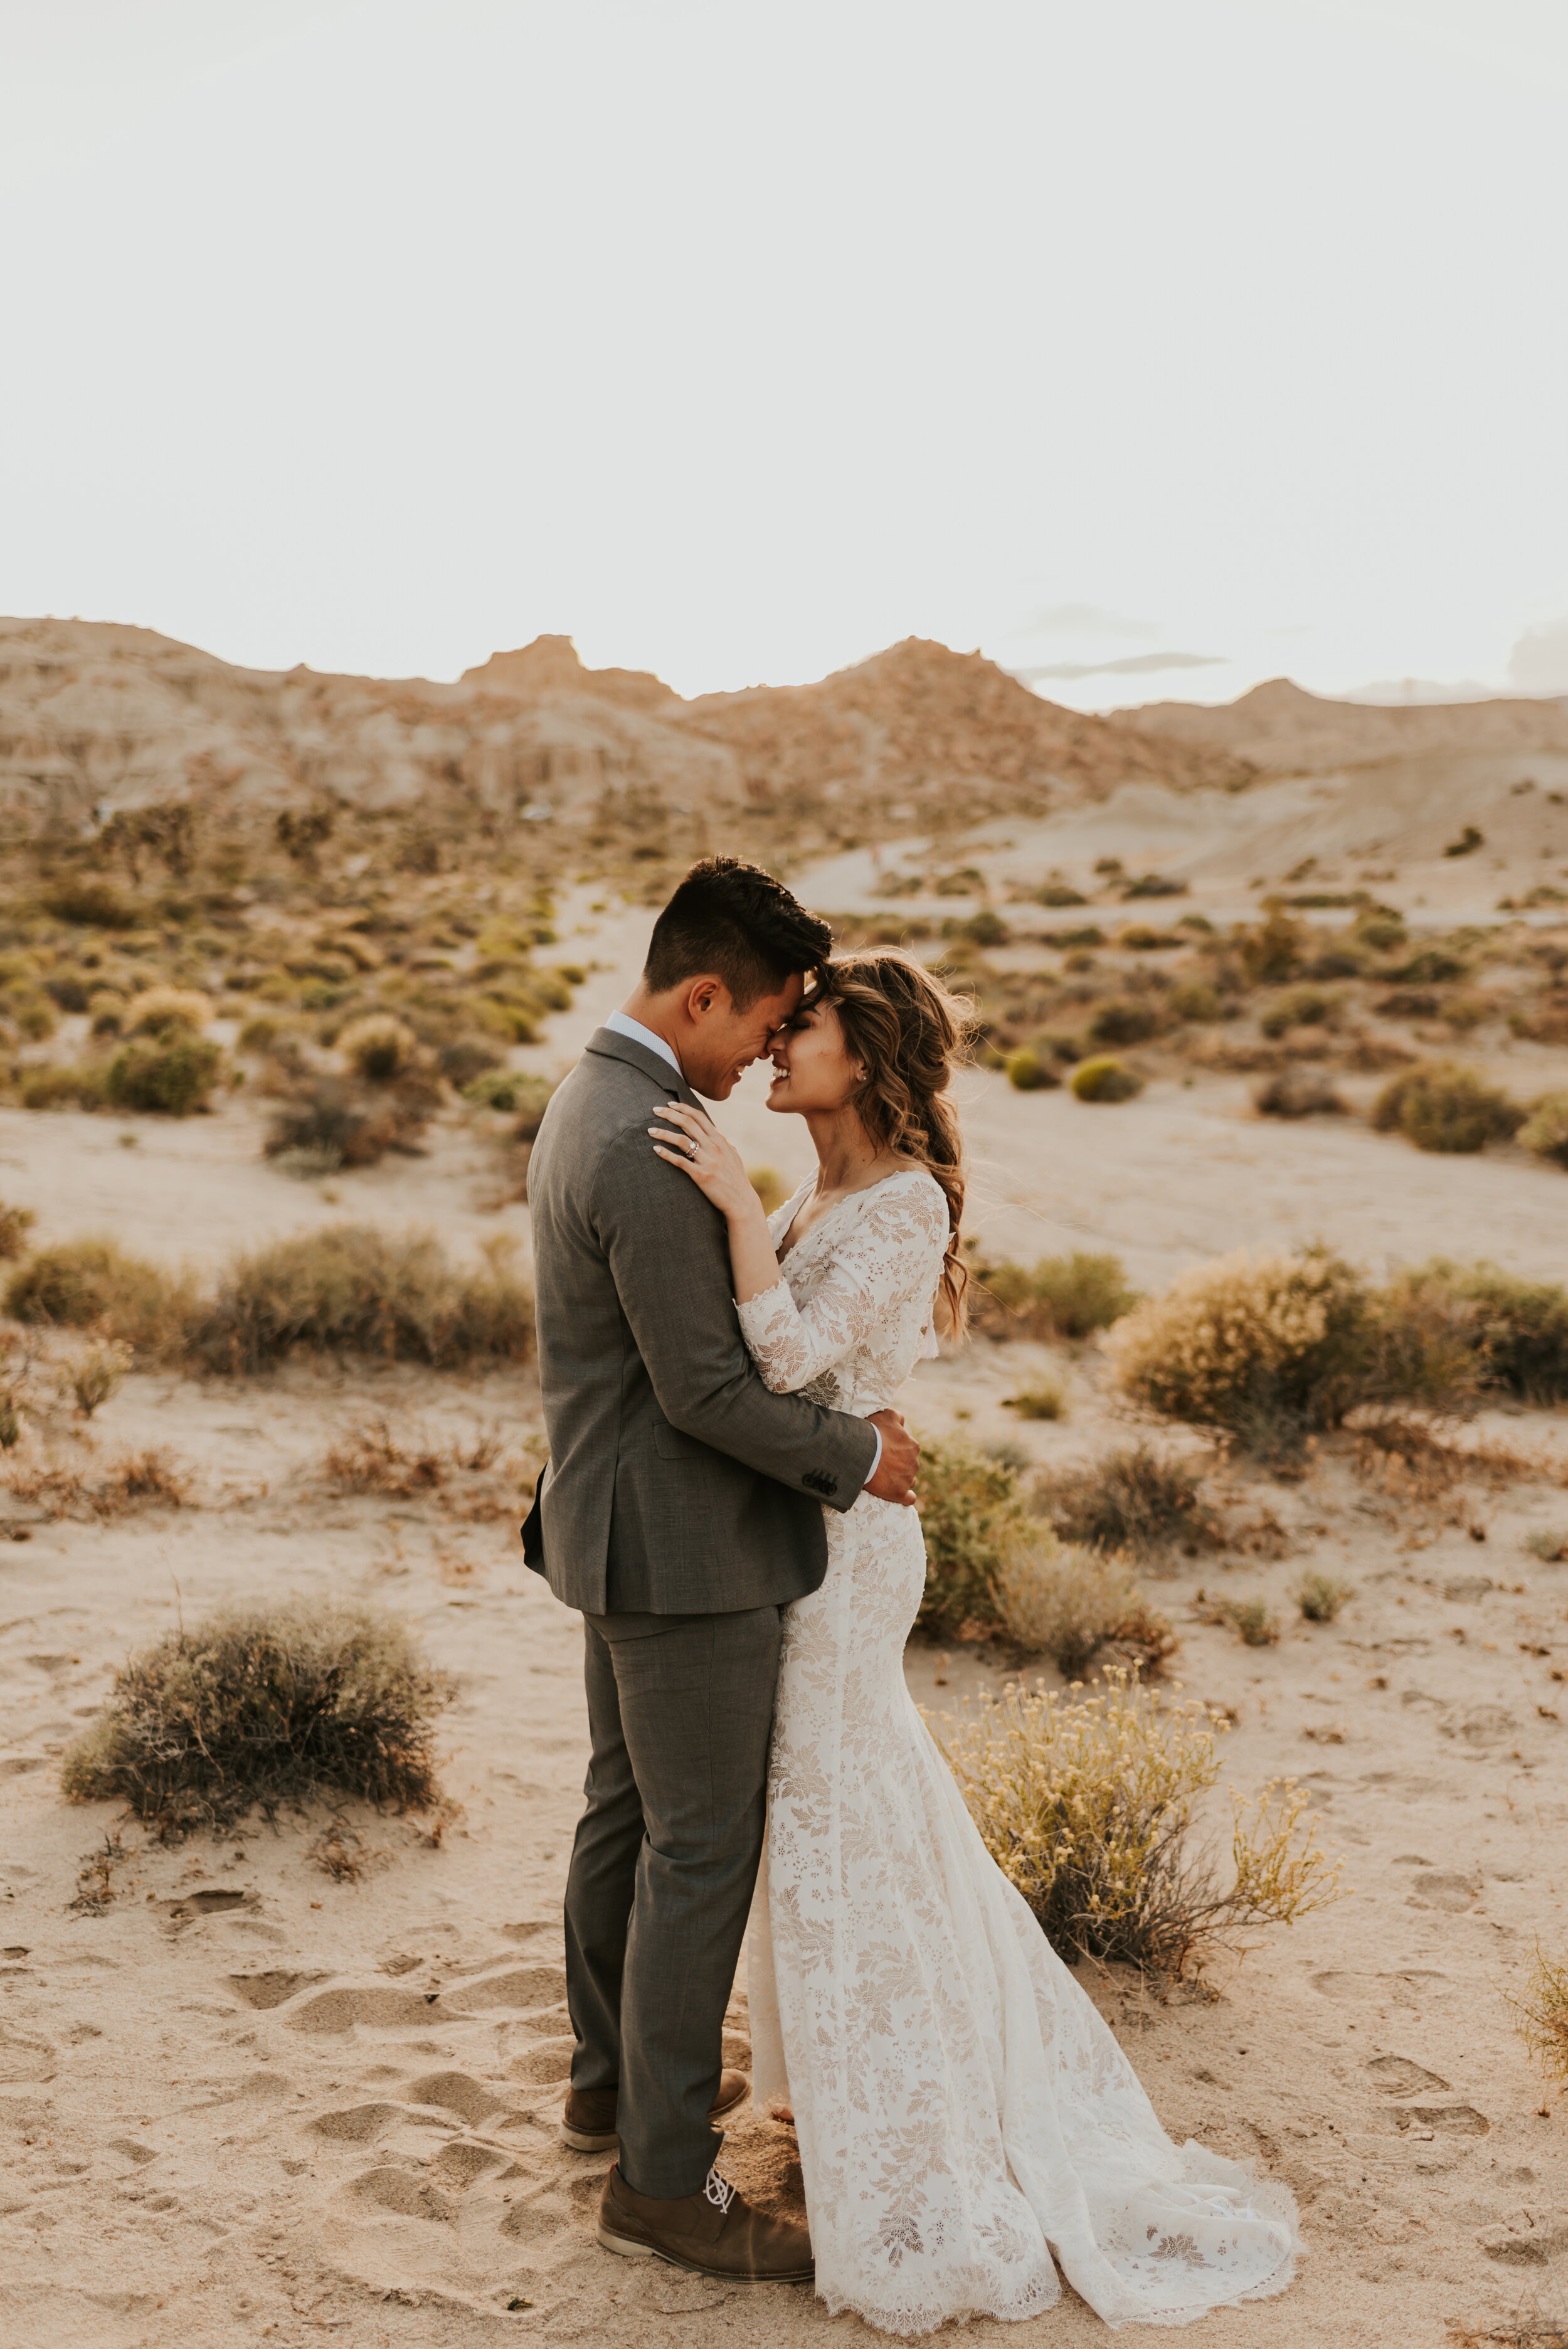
1130,665
1539,661
1087,620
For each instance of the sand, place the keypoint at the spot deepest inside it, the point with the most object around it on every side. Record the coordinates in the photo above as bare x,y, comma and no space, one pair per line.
241,2101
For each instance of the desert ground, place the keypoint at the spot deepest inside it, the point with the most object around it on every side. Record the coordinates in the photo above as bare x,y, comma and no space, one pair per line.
307,2079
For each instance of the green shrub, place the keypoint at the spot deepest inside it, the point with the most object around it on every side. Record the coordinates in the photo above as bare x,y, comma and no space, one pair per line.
1154,884
1269,1347
1027,1074
1320,1597
69,990
35,1015
106,1012
1119,1021
1056,892
1547,1130
1086,1805
1249,1617
513,1093
55,1083
91,904
1382,930
164,1080
975,1524
1298,1007
1296,1093
262,1033
1271,952
1133,1500
1438,1105
92,1283
1061,1297
378,1048
1044,1399
350,1288
1070,1605
15,1222
265,1707
1432,966
1194,998
1518,1329
1105,1079
163,1011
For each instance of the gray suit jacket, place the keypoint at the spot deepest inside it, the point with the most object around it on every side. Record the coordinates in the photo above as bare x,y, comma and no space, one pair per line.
677,1482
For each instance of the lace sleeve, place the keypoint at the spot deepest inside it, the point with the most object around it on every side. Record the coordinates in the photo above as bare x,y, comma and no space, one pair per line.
891,1256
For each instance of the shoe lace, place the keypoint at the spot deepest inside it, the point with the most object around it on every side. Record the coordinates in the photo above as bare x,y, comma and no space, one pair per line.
719,2192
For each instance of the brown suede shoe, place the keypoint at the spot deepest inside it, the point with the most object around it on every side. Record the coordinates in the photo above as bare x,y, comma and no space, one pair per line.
588,2123
716,2233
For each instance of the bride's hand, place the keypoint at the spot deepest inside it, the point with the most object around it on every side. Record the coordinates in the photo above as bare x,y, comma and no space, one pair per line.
715,1165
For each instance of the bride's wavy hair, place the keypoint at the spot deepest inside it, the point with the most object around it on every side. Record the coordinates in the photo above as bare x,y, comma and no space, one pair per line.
911,1033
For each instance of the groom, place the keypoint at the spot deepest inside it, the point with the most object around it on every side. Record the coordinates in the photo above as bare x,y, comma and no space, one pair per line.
681,1510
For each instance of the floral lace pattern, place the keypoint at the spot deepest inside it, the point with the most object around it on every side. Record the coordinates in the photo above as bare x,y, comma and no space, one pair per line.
963,2111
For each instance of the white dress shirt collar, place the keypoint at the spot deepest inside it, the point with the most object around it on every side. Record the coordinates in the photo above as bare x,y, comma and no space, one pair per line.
619,1025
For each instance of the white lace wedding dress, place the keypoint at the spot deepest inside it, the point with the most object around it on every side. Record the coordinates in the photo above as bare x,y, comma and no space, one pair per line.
963,2111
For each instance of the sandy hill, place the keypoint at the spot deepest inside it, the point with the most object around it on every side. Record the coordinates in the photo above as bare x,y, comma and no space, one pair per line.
1281,729
96,717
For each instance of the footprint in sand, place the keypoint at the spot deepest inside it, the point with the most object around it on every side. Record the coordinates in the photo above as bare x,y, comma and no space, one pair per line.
272,1989
1397,2076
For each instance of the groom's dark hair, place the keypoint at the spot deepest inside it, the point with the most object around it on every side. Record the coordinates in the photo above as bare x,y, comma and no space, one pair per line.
736,921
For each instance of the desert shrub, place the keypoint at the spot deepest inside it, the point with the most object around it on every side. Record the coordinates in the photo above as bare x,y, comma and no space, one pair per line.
344,1121
1249,1618
1549,1544
1087,1807
136,1480
1141,937
1540,2014
1296,1093
1438,1105
33,1015
513,1091
263,1032
1518,1329
59,1084
1028,1073
1382,930
1194,998
1056,892
1432,966
532,1100
378,1048
1069,1604
1119,1021
91,904
1133,1500
1468,841
1266,1345
975,1524
268,1706
106,1012
350,1288
163,1010
462,1058
1545,1131
1298,1007
1105,1079
166,1080
1154,884
1045,1400
1271,952
1320,1597
96,1374
15,1222
1061,1297
93,1284
371,1459
68,989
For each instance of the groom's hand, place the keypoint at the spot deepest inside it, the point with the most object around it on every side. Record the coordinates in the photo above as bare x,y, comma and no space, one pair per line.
895,1479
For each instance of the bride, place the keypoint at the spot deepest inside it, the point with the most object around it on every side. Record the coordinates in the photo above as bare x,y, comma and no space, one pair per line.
963,2111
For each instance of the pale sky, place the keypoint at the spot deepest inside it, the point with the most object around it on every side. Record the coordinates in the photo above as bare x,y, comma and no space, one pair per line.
739,340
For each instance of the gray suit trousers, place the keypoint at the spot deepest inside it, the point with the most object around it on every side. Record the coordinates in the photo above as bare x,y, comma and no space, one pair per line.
680,1711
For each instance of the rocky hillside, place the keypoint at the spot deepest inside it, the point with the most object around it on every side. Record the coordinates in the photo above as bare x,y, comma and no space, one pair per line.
1278,730
95,718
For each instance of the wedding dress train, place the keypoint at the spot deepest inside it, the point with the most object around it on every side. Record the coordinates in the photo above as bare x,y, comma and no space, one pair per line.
963,2111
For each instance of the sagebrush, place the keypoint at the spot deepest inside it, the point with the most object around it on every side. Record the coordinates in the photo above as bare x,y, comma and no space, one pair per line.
1131,1499
268,1707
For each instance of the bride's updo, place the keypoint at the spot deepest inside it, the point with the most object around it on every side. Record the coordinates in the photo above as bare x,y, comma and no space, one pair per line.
909,1031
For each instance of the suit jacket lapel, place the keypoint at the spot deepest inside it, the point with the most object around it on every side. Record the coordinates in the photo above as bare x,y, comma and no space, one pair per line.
609,1045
